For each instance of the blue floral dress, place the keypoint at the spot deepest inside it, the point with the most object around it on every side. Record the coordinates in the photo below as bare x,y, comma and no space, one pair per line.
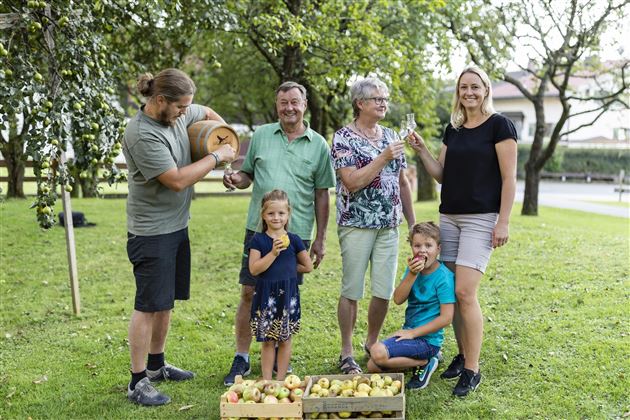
377,205
276,304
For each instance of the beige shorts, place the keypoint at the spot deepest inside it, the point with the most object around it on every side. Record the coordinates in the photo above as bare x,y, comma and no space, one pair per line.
379,248
467,239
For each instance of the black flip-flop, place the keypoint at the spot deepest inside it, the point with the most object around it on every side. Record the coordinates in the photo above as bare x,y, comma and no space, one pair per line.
349,366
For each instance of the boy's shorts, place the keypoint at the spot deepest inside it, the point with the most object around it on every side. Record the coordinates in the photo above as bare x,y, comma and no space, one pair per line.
415,348
245,277
379,248
467,239
161,266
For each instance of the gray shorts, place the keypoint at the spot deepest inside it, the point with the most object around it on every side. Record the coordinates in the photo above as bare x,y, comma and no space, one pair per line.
467,239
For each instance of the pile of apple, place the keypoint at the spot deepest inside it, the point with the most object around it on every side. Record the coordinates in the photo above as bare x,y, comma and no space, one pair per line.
359,386
264,391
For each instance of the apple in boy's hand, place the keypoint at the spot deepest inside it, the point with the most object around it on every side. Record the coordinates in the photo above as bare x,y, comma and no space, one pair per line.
416,263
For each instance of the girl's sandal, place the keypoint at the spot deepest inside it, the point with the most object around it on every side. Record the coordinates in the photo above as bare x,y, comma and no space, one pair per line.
349,366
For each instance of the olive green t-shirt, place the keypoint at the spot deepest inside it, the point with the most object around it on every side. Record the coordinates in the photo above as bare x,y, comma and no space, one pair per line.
152,148
298,168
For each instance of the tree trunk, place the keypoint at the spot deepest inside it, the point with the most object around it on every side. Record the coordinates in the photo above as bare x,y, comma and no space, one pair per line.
14,158
426,183
13,153
88,187
530,197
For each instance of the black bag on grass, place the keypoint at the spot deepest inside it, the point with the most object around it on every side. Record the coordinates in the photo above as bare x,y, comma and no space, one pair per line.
78,219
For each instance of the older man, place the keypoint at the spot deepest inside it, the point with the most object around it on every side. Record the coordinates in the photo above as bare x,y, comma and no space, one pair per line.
157,150
290,156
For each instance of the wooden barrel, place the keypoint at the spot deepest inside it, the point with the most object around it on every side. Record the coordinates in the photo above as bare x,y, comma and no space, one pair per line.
208,135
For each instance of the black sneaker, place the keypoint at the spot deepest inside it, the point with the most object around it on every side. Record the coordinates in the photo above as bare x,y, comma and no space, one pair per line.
468,381
145,394
239,367
455,368
169,372
421,375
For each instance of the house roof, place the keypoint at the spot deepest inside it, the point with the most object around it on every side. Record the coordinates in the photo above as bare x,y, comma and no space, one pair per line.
505,90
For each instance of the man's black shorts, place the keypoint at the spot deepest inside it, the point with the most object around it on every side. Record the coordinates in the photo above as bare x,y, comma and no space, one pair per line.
161,265
245,277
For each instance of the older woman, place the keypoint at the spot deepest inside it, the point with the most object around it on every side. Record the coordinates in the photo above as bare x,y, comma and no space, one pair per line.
372,197
477,170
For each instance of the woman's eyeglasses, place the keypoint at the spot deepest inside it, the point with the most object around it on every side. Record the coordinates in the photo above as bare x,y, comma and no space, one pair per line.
378,100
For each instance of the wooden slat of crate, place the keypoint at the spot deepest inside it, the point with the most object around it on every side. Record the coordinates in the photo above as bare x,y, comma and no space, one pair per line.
353,404
261,410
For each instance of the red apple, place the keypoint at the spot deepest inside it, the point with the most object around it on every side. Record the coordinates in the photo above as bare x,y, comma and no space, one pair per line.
232,397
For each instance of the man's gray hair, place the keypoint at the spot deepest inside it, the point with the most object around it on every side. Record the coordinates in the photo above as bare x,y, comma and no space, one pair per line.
287,86
362,89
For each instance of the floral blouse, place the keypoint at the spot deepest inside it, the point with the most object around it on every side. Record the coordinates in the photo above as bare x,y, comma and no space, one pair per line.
378,204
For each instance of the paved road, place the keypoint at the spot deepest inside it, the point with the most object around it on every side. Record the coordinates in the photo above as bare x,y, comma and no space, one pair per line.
579,196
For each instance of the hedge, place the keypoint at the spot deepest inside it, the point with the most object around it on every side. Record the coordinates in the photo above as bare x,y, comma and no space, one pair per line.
595,161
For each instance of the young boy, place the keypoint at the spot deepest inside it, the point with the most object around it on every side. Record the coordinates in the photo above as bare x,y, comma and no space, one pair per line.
429,288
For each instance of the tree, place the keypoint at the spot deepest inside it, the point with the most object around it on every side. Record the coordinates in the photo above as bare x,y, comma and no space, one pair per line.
562,41
325,44
56,90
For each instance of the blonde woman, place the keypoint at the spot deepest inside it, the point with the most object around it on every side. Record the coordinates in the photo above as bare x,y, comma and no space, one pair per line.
477,170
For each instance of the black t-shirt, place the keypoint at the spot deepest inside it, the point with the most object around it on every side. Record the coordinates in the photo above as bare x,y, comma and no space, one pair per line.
471,181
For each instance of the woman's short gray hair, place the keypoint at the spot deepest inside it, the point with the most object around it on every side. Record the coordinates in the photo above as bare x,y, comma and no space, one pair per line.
362,89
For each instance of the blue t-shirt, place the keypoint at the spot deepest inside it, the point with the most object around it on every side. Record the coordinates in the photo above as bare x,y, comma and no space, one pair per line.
425,297
284,266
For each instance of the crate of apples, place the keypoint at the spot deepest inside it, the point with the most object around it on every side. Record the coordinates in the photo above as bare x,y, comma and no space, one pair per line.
249,398
355,396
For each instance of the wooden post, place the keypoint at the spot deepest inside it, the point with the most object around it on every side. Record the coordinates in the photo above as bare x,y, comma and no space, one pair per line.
622,174
70,247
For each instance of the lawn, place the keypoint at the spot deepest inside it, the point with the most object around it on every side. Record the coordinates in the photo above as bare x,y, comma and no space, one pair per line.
555,307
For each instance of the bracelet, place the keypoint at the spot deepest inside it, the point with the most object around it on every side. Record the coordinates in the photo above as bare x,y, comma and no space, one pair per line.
216,158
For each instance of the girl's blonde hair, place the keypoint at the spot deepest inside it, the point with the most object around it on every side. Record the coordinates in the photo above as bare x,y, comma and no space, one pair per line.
274,195
458,112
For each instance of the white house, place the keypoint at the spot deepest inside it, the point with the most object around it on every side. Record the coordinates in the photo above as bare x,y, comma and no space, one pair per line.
611,130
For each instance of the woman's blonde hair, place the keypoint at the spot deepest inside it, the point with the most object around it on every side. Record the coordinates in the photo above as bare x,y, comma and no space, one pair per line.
458,112
274,195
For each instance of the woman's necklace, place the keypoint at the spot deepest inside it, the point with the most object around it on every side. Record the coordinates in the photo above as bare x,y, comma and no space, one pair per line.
375,136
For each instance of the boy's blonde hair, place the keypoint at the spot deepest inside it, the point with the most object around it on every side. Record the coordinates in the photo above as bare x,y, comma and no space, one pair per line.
274,195
428,229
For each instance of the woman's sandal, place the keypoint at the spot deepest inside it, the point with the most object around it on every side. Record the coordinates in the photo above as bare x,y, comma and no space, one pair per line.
349,366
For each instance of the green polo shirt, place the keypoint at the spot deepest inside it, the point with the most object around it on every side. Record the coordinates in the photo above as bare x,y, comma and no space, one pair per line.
298,168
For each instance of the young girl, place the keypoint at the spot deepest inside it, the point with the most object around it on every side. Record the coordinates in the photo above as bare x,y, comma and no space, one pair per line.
276,256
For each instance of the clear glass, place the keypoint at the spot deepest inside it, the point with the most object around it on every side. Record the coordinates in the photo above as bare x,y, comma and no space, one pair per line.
228,171
411,122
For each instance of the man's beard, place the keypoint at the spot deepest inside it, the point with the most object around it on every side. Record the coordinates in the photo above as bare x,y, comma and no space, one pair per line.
163,118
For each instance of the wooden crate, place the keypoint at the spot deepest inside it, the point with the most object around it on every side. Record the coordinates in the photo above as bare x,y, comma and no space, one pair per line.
243,410
395,404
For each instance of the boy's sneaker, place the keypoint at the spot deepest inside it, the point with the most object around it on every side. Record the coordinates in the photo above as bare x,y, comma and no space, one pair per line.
468,381
239,367
169,372
421,376
145,394
455,368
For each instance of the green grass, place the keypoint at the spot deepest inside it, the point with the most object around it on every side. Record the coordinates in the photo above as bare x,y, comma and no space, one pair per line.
617,203
555,303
